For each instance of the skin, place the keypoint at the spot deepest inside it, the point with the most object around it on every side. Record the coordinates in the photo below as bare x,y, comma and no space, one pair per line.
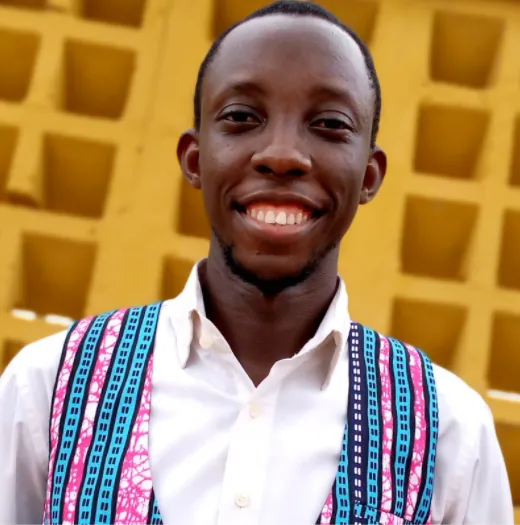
287,113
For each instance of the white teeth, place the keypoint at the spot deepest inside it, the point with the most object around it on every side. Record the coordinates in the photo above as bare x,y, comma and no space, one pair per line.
281,218
270,217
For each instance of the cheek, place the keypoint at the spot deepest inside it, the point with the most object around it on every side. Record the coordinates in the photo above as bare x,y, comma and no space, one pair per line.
346,196
217,180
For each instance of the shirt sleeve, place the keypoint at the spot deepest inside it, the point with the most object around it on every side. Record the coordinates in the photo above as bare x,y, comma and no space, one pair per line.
490,499
25,398
471,481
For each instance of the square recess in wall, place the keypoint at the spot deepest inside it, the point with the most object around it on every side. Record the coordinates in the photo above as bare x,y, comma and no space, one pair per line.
77,174
509,438
449,141
432,327
117,12
514,175
10,349
55,275
465,48
361,15
191,216
175,274
437,238
8,141
227,12
509,267
504,360
18,52
97,79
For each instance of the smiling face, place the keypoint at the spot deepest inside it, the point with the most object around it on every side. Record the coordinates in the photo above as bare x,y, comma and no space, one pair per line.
283,154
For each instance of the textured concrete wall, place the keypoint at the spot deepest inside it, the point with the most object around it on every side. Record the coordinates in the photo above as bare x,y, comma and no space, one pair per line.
94,213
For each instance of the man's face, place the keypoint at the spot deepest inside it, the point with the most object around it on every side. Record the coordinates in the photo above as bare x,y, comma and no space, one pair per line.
283,154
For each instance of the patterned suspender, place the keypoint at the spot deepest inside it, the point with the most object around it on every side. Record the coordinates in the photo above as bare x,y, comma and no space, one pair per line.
99,468
386,468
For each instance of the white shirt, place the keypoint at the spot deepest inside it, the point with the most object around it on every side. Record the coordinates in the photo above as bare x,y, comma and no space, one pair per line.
224,452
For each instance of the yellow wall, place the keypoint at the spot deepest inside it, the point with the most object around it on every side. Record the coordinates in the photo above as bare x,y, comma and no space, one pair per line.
94,214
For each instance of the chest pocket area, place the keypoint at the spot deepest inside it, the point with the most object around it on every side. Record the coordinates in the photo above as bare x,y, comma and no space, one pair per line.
373,516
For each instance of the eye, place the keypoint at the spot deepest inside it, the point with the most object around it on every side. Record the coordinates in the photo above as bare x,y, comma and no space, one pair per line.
240,117
332,124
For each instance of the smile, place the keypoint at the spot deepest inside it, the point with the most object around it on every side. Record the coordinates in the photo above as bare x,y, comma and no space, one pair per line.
284,222
281,215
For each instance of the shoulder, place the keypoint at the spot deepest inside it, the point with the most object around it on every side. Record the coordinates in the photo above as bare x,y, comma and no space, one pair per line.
461,408
35,366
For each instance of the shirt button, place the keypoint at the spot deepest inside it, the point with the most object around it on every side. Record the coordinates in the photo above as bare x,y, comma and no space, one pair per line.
254,411
242,500
206,341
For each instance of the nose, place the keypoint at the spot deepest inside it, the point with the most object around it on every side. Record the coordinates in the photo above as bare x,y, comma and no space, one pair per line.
281,156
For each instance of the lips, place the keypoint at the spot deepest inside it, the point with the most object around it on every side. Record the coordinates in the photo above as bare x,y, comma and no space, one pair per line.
278,217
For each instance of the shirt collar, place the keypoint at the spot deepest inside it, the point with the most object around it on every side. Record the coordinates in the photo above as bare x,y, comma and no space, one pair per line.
189,304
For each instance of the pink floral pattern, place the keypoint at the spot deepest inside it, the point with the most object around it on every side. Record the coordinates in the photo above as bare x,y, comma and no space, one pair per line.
74,341
326,513
108,342
419,445
388,423
135,486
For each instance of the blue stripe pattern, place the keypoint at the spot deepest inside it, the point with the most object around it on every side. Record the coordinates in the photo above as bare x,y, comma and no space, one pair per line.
424,506
102,429
74,414
367,514
403,430
128,406
374,429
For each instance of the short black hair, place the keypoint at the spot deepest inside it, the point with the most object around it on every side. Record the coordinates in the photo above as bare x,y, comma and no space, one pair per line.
295,8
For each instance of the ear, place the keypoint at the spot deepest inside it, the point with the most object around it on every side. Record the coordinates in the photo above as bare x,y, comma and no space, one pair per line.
188,155
374,175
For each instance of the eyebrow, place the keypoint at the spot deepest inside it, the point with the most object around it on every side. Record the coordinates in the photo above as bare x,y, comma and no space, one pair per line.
246,87
331,92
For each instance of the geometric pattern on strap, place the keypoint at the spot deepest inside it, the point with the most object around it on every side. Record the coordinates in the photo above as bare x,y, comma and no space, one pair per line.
99,470
387,462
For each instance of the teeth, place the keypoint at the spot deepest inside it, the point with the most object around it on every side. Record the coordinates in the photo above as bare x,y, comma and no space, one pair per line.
281,218
270,217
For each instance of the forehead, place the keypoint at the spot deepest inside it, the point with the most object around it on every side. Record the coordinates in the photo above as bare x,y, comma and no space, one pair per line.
291,54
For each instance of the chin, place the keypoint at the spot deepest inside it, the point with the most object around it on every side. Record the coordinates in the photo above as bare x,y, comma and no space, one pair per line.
270,273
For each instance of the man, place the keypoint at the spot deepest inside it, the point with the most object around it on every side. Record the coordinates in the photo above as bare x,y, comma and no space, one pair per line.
233,398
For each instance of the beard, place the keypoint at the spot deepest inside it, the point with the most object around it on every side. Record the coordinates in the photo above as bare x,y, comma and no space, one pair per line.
270,287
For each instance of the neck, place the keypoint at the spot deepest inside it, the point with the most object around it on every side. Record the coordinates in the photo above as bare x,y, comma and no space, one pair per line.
260,329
